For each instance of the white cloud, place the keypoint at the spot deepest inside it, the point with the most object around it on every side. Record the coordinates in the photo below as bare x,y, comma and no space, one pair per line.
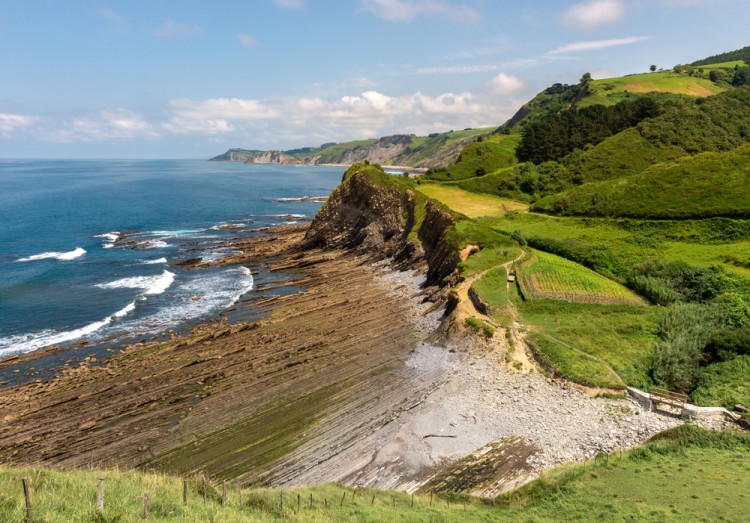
172,29
306,120
593,13
12,122
597,44
406,10
291,4
504,84
246,39
109,124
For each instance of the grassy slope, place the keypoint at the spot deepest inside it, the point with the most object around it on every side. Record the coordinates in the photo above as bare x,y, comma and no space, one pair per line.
702,186
491,153
685,475
548,275
469,204
625,335
609,91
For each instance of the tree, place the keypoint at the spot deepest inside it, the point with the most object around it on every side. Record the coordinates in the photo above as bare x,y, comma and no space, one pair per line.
653,68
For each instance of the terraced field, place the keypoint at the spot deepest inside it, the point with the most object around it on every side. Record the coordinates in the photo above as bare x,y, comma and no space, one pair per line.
548,276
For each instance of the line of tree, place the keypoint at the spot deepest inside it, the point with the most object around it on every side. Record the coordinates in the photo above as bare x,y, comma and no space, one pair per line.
732,56
559,134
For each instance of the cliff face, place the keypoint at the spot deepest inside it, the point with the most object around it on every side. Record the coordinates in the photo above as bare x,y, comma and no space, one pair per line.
374,216
243,156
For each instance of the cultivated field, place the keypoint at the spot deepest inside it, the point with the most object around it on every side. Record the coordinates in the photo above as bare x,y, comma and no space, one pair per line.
548,276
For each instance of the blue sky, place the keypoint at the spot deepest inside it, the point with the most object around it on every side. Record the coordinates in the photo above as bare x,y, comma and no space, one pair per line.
189,79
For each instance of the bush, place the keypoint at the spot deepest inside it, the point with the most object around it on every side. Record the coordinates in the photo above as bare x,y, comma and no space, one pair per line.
685,331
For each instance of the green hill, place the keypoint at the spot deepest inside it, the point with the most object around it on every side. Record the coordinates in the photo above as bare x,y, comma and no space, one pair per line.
610,91
702,186
740,54
436,150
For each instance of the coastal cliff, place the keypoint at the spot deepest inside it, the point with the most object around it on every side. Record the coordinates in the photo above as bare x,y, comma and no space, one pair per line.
382,216
407,150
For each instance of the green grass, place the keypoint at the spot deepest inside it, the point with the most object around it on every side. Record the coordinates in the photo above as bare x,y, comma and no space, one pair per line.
621,336
479,326
552,277
725,383
609,91
488,258
686,474
702,186
480,157
470,204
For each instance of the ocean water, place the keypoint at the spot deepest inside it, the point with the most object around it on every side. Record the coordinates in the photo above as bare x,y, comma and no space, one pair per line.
65,277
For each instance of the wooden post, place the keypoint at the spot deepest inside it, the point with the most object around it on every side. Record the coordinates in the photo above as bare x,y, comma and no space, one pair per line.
204,490
311,500
146,505
27,496
325,503
373,500
224,493
299,503
281,500
184,491
412,500
342,498
100,495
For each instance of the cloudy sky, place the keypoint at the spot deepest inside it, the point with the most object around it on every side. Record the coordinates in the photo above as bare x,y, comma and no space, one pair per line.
189,78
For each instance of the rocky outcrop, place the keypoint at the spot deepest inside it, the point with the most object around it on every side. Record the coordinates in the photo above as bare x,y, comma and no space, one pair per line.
384,220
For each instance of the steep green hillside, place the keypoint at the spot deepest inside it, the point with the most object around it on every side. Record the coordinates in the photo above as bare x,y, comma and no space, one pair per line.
609,91
479,158
702,186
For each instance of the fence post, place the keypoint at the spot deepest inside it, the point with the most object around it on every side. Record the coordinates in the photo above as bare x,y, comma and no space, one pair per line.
412,500
343,497
146,504
100,495
184,491
311,500
27,497
431,494
281,501
299,503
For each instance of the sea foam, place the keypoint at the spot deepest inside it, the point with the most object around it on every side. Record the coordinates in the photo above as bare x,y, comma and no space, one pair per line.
64,256
150,285
157,261
29,342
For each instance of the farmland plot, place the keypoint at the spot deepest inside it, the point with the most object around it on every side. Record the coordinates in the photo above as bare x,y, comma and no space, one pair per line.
549,276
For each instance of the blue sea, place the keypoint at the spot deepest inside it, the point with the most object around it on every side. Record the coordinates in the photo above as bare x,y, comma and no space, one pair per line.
86,246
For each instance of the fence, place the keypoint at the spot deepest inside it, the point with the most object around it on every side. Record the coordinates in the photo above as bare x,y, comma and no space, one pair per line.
277,503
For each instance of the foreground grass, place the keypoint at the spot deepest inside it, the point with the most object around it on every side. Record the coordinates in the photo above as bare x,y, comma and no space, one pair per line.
685,475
